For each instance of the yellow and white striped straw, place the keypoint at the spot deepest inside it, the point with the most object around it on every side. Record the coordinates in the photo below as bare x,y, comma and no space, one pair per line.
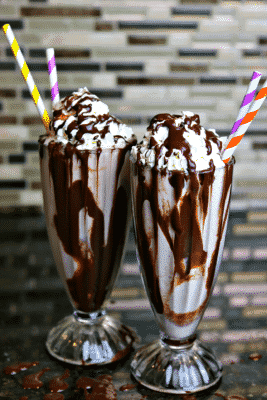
27,75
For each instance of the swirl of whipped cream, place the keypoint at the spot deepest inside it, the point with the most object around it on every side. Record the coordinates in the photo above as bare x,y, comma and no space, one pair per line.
84,121
179,142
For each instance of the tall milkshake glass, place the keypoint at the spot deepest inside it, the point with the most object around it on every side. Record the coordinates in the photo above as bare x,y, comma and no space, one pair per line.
88,210
180,224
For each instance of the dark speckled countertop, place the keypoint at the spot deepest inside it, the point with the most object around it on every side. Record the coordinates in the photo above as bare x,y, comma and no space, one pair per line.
32,300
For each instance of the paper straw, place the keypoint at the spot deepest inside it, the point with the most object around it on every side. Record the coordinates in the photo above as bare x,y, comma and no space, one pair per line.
27,75
52,71
247,101
246,121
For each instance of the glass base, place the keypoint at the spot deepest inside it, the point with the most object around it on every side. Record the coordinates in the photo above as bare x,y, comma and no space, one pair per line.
170,368
89,339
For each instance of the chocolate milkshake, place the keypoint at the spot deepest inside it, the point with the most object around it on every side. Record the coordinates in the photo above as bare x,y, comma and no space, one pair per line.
85,181
181,193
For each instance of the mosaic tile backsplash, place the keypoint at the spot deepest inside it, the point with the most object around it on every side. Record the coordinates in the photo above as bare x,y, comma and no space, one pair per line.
141,58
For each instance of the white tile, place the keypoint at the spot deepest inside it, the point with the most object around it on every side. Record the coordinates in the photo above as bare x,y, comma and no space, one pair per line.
31,197
13,132
256,25
259,300
10,172
255,9
130,269
212,312
227,106
154,94
159,11
219,24
246,335
104,80
245,289
179,40
238,301
157,66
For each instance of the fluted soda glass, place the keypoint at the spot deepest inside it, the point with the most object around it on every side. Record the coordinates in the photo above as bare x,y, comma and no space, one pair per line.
180,225
87,204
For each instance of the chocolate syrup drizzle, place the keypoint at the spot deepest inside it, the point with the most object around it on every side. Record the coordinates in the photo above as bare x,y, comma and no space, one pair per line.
75,106
175,139
183,220
97,261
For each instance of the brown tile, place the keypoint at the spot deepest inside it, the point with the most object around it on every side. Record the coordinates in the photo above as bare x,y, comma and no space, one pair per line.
262,40
147,40
188,68
104,26
155,81
72,53
8,120
7,93
1,160
32,120
60,12
36,186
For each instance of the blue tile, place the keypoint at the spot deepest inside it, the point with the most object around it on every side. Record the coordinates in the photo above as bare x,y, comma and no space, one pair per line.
191,11
14,23
197,53
157,25
7,66
16,159
13,184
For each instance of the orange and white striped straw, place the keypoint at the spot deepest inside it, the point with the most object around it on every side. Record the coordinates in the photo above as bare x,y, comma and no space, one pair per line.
234,139
27,75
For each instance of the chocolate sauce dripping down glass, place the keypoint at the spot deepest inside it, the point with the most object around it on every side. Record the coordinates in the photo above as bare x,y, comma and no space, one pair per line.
87,204
180,223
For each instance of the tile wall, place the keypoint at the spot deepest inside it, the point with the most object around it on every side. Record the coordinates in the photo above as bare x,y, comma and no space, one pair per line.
141,58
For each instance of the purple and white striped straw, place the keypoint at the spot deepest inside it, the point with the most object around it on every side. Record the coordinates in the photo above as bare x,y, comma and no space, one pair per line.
247,101
52,71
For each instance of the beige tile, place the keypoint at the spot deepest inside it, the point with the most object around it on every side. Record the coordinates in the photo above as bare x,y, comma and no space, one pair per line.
15,106
31,174
49,24
9,197
13,132
88,38
29,38
213,324
9,10
254,312
249,276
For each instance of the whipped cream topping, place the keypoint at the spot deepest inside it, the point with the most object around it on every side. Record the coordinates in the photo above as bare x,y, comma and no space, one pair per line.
84,121
179,142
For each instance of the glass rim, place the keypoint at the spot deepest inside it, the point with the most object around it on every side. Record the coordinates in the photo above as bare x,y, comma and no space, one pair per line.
188,172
